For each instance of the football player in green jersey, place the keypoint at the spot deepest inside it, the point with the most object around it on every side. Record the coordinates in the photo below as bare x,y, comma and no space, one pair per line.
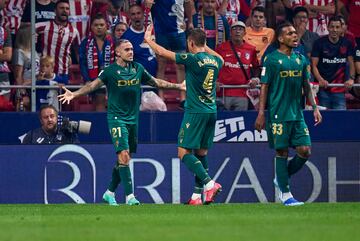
123,81
197,129
285,77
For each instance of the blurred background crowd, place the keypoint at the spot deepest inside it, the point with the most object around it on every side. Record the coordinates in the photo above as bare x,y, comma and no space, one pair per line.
75,40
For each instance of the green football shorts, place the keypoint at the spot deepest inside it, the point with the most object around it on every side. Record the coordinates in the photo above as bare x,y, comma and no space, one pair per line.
282,135
123,136
197,130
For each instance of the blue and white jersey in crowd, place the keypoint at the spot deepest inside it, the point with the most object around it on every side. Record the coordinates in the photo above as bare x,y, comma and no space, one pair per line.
47,96
143,54
168,16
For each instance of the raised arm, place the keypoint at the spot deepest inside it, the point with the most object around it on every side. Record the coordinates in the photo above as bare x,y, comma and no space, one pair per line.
87,88
212,52
159,50
163,84
223,7
189,10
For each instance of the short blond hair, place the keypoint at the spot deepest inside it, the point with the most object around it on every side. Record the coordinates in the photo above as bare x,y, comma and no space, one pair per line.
47,60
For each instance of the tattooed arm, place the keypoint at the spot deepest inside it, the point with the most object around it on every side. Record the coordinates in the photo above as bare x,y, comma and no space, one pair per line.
163,84
87,88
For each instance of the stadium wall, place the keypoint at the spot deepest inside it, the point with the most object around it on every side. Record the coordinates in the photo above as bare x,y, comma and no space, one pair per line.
80,173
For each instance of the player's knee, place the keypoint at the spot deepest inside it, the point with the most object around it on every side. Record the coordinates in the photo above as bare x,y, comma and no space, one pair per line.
181,155
124,158
282,153
182,152
304,152
201,152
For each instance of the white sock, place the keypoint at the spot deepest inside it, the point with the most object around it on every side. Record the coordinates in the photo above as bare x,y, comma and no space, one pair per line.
209,185
285,196
110,193
130,196
195,196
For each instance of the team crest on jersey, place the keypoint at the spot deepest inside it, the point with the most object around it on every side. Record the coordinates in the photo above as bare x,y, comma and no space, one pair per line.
280,61
247,56
133,70
187,125
119,72
183,56
297,61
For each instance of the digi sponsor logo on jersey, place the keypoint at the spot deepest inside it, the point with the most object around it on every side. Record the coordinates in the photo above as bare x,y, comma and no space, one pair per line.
131,82
290,73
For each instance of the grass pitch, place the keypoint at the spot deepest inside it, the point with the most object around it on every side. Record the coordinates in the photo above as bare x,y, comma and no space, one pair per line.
218,222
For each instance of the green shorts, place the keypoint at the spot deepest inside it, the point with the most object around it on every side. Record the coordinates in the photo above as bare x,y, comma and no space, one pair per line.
282,135
123,136
197,130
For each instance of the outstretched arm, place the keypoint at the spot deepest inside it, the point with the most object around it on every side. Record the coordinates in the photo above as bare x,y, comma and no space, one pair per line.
87,88
163,84
159,50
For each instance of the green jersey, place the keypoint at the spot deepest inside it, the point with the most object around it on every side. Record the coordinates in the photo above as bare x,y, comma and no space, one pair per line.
202,70
285,76
124,92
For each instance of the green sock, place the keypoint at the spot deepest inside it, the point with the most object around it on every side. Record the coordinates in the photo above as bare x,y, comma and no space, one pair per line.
115,179
125,176
282,175
196,167
198,184
296,164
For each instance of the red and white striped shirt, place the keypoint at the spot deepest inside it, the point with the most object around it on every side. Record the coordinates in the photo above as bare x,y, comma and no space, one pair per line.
56,41
319,23
80,12
14,10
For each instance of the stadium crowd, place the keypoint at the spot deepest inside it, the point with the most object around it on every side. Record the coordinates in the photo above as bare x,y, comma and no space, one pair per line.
75,41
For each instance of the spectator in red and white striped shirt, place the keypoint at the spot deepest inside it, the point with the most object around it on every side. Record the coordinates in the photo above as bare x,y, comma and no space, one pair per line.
13,11
80,12
57,37
319,12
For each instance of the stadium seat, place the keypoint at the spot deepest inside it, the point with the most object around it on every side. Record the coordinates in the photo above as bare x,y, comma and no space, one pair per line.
171,97
352,102
75,77
83,103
